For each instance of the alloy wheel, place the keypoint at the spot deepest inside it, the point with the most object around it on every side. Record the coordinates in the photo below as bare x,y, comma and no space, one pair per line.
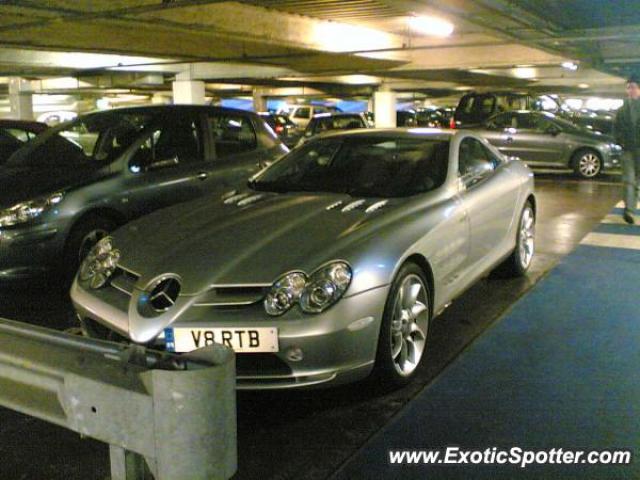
526,242
409,324
589,165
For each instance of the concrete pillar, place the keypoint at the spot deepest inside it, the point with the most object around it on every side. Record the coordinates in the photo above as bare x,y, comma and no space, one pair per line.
186,90
20,98
259,100
384,104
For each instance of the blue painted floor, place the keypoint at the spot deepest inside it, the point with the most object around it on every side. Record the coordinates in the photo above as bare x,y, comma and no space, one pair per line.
560,370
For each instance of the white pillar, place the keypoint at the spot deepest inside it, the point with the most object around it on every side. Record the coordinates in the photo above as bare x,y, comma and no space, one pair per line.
259,100
384,105
186,90
20,98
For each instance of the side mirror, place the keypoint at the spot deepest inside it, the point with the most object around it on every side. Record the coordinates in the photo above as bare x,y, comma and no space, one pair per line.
553,130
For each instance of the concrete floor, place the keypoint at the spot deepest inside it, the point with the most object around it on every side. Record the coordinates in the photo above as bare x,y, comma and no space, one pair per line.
308,435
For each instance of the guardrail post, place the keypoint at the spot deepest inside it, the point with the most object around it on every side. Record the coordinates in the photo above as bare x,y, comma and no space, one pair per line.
166,416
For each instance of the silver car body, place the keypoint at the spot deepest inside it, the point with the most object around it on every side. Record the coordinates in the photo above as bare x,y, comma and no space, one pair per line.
227,252
525,134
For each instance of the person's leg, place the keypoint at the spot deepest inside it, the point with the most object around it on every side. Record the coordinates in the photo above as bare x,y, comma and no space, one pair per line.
629,181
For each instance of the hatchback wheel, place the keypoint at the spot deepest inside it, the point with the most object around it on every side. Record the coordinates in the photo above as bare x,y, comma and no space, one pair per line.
587,164
405,327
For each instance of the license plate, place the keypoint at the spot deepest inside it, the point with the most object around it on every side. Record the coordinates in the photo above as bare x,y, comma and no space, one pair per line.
241,340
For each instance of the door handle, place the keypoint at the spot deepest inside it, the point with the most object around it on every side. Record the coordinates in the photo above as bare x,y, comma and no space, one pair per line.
202,175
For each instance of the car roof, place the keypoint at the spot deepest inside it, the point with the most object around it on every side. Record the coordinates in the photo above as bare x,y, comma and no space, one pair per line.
31,125
431,133
173,108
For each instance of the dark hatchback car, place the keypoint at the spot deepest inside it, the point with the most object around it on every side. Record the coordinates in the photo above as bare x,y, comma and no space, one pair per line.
62,192
15,133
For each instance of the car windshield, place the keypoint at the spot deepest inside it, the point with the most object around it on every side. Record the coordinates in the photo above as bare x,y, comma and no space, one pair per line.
90,140
360,166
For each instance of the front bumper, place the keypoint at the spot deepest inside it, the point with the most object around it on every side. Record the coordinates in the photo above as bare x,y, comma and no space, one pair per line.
334,347
612,160
28,252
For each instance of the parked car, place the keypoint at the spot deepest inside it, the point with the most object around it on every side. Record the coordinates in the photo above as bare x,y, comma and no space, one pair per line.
325,122
599,122
282,126
406,118
328,266
544,139
475,108
435,117
301,115
62,192
15,133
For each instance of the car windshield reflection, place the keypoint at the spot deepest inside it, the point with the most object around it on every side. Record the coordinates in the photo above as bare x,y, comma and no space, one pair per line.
90,140
363,166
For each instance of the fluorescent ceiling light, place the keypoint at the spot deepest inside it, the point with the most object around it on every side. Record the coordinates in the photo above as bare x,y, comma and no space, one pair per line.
570,66
583,85
524,72
431,26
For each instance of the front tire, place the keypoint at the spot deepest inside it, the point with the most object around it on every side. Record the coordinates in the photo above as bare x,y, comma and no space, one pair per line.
587,164
405,328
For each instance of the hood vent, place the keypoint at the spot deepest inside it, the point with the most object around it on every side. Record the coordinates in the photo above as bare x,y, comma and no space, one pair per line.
235,198
335,205
250,200
353,205
376,206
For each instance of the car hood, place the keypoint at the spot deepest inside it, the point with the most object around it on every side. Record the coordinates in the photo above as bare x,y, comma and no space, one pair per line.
18,184
248,239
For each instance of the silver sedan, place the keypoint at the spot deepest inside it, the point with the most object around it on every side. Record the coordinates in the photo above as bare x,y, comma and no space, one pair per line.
328,267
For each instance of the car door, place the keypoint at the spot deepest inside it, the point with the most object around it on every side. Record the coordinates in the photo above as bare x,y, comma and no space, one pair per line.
235,153
166,166
489,195
531,140
499,132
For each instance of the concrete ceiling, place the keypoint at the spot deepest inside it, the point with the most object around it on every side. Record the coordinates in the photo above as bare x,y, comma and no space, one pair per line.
516,44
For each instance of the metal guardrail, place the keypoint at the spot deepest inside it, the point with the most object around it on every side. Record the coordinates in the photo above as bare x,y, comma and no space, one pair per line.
169,416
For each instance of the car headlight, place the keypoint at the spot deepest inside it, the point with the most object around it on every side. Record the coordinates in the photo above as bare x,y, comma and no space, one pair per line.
314,294
99,264
25,211
614,147
285,293
325,287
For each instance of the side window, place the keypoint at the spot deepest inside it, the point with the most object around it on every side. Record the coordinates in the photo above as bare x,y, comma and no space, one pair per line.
474,161
302,112
21,135
527,122
486,105
232,134
176,142
506,120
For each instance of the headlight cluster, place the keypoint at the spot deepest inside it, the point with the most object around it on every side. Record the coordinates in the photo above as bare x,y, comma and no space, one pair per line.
614,147
26,211
314,294
99,264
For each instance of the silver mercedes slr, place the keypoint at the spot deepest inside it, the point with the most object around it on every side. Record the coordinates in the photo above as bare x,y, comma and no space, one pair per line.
330,264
